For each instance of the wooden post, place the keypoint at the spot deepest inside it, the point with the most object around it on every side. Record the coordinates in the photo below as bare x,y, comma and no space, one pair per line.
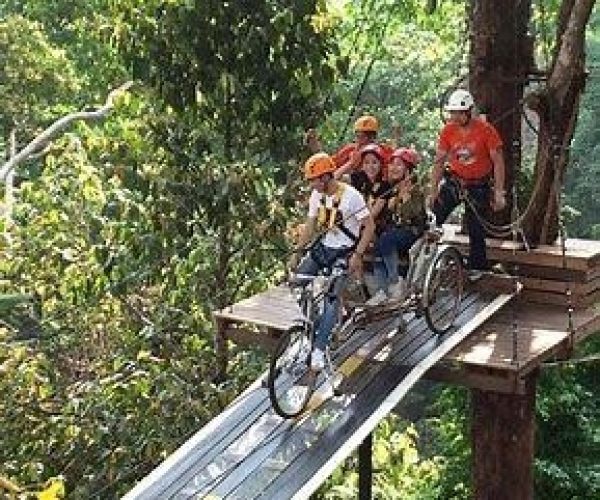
365,468
502,433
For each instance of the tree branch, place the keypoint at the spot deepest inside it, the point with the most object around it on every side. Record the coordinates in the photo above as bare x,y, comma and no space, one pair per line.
58,126
570,54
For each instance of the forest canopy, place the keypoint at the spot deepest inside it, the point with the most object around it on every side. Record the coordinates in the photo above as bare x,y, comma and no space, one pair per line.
121,235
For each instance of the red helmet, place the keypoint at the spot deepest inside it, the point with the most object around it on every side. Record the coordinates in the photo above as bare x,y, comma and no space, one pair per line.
408,156
373,149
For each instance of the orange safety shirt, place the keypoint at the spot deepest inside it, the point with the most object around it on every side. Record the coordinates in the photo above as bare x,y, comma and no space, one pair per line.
469,149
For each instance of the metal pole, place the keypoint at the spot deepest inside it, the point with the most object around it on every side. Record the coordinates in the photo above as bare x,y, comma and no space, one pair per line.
365,469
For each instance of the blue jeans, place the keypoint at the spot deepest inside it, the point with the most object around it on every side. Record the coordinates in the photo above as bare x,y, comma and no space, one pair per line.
319,258
388,245
449,199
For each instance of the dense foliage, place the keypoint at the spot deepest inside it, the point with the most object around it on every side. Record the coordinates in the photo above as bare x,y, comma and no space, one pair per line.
127,233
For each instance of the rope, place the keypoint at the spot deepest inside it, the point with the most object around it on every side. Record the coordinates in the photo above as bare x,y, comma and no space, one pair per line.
374,57
358,30
459,76
563,242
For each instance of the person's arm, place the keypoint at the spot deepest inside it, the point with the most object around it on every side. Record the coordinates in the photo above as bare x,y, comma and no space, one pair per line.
378,207
436,173
351,164
312,141
366,235
499,200
306,235
308,232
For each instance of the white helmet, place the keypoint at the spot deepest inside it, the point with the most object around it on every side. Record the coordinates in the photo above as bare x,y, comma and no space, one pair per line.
460,100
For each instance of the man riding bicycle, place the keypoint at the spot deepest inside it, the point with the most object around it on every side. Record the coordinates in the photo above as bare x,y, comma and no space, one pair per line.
338,214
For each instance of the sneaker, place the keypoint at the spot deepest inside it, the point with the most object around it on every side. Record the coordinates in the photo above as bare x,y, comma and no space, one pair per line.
499,268
317,361
396,290
379,298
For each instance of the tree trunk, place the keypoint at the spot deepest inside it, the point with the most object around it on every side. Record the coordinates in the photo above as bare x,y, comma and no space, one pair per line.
502,432
500,60
557,107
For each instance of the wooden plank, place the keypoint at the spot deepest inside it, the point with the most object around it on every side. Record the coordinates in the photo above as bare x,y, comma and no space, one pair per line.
577,288
542,334
560,299
279,324
257,480
499,283
223,431
309,424
558,273
262,310
586,322
394,397
248,337
490,347
506,382
223,425
580,254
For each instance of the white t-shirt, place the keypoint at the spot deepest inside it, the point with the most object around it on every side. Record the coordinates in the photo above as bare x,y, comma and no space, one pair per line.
353,209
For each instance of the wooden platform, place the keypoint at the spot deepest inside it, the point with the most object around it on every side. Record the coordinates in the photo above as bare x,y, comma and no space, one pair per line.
496,357
546,275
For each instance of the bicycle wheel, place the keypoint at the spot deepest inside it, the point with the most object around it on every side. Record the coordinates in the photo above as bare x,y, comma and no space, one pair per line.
443,290
290,381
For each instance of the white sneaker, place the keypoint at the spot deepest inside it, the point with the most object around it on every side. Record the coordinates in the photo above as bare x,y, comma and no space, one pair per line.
379,298
396,291
317,361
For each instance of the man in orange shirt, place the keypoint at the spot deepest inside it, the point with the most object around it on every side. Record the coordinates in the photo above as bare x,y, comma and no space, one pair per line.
348,158
473,150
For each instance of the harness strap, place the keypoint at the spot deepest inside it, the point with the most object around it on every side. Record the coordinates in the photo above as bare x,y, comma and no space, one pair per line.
332,218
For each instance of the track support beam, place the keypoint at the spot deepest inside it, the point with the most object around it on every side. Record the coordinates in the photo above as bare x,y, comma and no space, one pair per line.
365,468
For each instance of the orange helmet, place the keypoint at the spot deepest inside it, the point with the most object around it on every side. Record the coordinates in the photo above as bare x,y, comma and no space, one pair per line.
366,123
317,165
408,156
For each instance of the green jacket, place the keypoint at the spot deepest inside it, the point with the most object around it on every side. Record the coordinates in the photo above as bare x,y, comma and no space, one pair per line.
412,211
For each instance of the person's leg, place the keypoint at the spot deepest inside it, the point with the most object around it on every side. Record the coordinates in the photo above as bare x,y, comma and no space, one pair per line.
446,202
385,248
479,197
394,242
379,280
332,300
310,265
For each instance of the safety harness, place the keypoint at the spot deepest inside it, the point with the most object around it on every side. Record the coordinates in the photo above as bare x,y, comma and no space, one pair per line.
331,218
